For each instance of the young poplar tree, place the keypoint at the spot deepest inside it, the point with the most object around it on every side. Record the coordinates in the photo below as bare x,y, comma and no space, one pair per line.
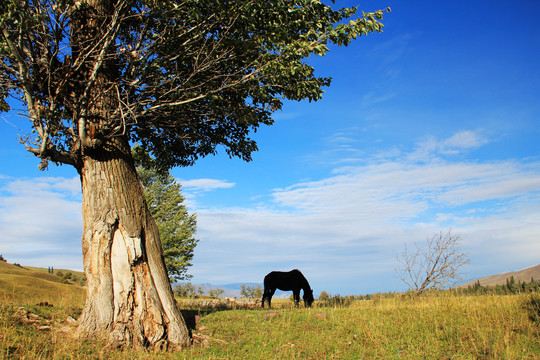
180,78
176,226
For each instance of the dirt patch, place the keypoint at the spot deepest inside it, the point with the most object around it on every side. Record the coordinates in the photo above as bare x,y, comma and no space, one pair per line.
321,316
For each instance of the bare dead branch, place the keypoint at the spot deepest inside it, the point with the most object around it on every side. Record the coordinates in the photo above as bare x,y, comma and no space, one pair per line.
435,265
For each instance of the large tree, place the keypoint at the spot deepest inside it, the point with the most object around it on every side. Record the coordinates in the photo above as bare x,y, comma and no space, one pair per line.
180,78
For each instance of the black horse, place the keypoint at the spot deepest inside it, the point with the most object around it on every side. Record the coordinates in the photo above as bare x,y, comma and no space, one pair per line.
291,280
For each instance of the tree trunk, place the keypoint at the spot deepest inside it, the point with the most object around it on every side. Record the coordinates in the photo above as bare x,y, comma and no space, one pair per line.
129,298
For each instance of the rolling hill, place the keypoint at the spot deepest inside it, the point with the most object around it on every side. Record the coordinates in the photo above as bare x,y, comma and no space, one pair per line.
500,279
34,285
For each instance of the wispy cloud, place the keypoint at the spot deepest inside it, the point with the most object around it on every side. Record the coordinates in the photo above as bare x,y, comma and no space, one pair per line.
281,115
390,53
342,230
464,140
456,144
47,186
206,184
355,219
373,98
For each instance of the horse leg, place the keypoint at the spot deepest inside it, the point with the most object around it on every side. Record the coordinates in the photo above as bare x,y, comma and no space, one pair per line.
269,295
296,297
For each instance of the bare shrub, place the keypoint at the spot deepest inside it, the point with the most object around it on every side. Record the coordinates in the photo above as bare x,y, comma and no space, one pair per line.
434,265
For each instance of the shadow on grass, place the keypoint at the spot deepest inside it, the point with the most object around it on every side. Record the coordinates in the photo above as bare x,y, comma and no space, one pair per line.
532,306
192,317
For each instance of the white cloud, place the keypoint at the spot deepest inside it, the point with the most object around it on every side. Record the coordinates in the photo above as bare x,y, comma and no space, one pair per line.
246,244
401,189
342,231
456,144
206,184
40,221
352,222
47,186
464,140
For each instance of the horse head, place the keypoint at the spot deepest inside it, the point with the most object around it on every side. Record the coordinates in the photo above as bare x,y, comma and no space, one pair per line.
308,297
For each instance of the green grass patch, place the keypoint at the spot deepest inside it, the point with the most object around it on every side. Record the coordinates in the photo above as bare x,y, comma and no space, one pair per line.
452,327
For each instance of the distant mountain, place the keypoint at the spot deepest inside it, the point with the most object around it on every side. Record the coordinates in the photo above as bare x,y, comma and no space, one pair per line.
500,279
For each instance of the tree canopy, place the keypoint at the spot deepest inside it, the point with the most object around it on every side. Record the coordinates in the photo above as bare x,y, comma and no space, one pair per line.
180,77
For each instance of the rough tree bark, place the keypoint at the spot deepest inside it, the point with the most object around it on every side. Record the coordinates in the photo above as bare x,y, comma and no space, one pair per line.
129,297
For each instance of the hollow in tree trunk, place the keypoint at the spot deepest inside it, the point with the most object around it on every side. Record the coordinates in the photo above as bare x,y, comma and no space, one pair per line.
129,298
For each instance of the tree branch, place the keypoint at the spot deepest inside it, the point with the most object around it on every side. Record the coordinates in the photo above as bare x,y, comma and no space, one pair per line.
108,38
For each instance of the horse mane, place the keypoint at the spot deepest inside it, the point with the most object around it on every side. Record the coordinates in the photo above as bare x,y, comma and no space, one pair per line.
305,283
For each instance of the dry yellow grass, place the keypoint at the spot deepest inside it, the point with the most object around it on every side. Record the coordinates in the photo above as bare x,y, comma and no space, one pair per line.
442,326
23,286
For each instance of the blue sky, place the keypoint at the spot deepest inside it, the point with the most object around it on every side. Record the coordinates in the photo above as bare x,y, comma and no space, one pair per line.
433,124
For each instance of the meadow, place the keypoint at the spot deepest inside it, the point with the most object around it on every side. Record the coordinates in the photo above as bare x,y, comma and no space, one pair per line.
37,312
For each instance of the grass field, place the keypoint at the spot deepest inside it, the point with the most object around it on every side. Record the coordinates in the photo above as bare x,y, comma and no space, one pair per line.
434,327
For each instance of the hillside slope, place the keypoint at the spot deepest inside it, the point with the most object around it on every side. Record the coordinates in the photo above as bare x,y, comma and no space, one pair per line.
500,279
28,286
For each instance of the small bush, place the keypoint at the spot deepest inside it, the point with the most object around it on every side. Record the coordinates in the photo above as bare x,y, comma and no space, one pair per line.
336,301
324,296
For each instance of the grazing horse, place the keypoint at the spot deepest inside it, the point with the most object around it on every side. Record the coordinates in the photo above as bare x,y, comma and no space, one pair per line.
286,281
